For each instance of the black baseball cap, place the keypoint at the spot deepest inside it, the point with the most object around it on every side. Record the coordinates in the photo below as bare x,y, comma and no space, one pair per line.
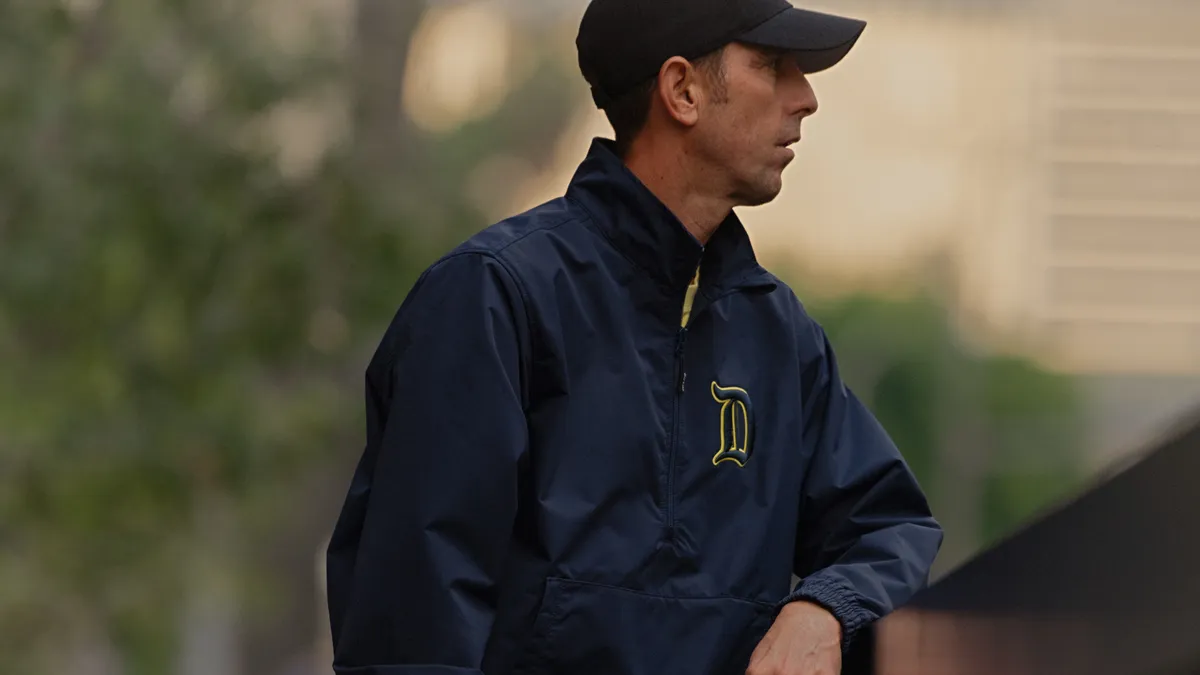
623,43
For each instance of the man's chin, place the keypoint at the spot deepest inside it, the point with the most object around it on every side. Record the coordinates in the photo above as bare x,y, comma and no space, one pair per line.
762,193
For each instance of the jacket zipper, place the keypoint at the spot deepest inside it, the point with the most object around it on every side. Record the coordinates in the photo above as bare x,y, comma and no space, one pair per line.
680,378
679,385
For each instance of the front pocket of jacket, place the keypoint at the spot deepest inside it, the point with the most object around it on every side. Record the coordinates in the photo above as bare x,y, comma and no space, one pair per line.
593,629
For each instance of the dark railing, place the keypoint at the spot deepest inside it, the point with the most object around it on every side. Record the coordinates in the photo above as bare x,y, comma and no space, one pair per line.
1108,584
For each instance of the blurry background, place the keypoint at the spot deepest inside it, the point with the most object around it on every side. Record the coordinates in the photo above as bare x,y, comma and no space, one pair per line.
210,209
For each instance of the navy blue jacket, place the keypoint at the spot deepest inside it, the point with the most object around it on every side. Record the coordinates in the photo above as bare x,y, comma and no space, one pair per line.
561,477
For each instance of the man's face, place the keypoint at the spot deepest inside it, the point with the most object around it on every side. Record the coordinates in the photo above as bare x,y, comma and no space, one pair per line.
744,131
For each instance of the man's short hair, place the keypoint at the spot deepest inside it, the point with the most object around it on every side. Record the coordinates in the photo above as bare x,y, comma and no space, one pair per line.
628,114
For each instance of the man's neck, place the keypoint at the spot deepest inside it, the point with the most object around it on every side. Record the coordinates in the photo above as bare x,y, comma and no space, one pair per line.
666,174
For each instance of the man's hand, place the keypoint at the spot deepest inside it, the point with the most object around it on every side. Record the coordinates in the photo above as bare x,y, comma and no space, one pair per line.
804,640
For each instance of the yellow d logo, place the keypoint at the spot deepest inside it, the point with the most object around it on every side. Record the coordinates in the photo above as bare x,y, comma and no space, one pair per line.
737,425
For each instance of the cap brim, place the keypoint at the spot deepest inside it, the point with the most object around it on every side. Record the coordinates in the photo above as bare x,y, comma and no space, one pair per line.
818,41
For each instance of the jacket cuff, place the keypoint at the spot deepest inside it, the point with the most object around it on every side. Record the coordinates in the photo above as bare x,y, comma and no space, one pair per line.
837,598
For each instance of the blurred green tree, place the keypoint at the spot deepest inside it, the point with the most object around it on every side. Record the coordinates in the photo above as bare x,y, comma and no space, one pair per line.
994,439
183,324
158,288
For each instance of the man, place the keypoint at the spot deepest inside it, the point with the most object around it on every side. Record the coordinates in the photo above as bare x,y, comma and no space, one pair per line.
601,437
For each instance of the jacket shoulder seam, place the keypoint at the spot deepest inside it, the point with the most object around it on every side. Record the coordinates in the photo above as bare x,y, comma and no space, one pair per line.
512,276
522,293
526,303
545,228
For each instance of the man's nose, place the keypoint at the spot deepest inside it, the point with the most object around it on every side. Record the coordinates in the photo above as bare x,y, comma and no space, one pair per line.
802,100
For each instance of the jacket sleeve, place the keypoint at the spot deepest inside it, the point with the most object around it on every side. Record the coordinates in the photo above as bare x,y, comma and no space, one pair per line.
866,538
413,565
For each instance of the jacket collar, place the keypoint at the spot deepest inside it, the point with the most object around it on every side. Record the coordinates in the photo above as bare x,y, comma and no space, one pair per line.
649,234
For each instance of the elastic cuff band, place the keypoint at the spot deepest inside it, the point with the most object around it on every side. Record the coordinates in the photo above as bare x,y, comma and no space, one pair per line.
838,599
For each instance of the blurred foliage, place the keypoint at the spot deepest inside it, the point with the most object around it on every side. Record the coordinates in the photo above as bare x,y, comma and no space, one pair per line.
1007,430
158,277
181,322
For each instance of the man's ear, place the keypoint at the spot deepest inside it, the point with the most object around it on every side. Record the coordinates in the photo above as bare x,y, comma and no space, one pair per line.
680,91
